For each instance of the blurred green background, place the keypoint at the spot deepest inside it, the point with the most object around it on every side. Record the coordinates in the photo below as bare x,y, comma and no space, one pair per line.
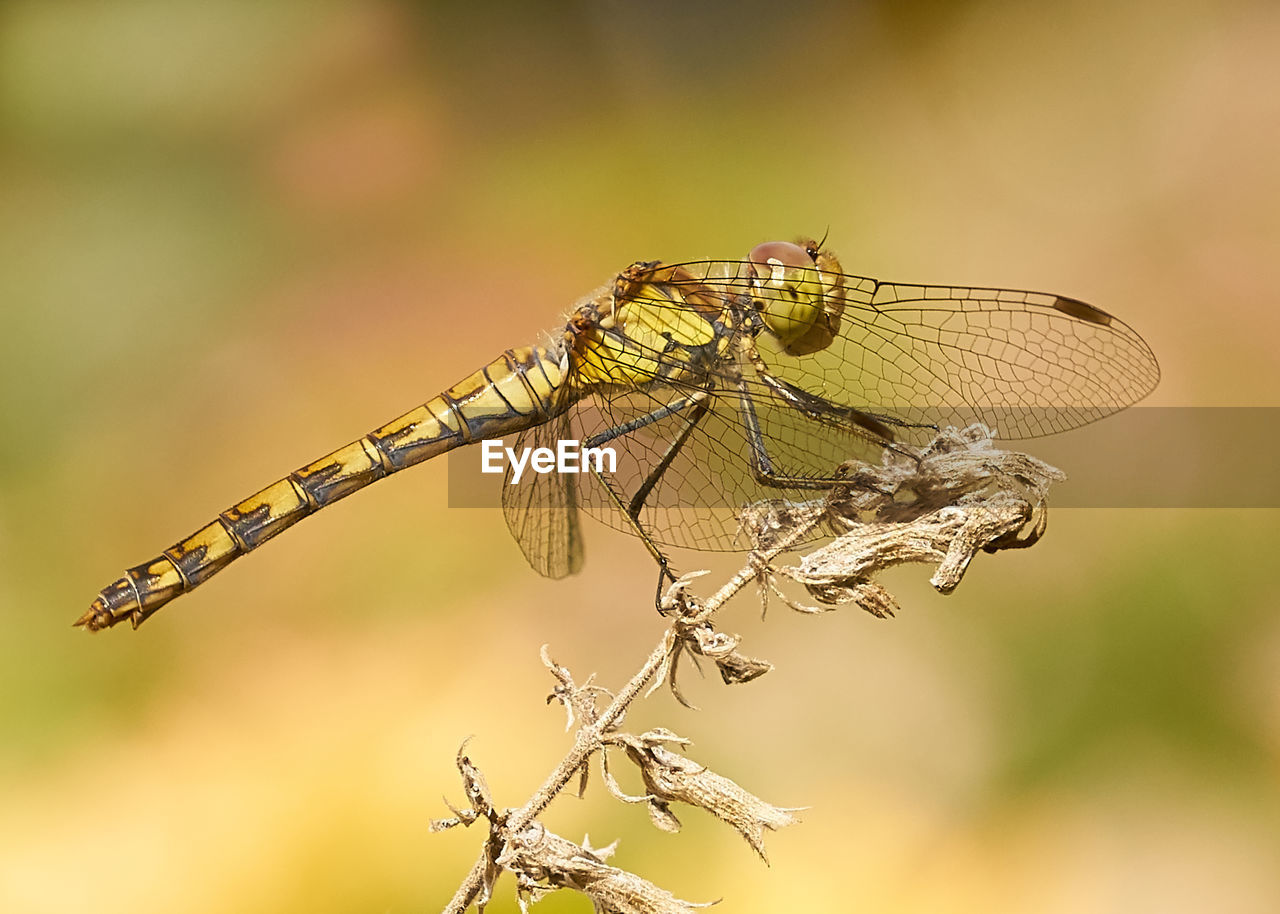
234,235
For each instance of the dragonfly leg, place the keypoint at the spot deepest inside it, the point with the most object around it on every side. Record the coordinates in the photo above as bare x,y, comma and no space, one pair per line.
878,428
655,473
651,480
662,412
664,566
666,577
631,509
761,464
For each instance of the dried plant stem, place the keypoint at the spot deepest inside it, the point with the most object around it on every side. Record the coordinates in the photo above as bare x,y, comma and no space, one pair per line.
586,741
589,737
941,504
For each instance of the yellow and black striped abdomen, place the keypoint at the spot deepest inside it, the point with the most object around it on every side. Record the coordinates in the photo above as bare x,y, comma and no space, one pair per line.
522,388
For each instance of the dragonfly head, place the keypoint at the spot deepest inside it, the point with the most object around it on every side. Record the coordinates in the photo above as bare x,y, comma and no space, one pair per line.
799,291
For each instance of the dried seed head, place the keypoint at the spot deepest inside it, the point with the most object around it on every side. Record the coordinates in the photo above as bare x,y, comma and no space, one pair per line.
543,861
672,778
722,649
941,504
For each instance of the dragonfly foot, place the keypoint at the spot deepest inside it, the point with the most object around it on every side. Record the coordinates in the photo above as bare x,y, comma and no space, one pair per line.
666,577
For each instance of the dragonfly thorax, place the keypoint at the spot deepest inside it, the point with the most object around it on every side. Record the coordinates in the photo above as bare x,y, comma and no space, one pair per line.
657,322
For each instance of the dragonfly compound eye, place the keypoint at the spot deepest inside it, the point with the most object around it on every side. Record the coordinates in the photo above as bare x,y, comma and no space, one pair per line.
799,302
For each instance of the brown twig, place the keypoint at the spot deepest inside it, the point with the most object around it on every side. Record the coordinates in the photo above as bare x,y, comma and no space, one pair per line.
940,504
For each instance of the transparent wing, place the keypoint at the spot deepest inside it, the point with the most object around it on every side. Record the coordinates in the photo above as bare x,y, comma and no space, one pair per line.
542,508
1026,363
905,360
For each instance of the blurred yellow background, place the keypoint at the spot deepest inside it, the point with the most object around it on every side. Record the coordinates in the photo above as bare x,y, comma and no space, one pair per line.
236,235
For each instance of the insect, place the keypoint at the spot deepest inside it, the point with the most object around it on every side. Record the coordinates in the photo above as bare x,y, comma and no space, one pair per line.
717,384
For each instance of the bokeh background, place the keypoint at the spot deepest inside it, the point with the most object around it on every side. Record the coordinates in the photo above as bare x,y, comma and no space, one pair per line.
235,235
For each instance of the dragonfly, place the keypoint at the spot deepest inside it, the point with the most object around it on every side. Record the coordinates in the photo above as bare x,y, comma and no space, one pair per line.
718,384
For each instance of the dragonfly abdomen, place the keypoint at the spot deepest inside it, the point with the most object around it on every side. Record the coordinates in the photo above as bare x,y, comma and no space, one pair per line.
521,388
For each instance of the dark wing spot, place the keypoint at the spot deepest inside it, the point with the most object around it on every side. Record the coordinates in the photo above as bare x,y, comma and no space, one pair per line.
1081,310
